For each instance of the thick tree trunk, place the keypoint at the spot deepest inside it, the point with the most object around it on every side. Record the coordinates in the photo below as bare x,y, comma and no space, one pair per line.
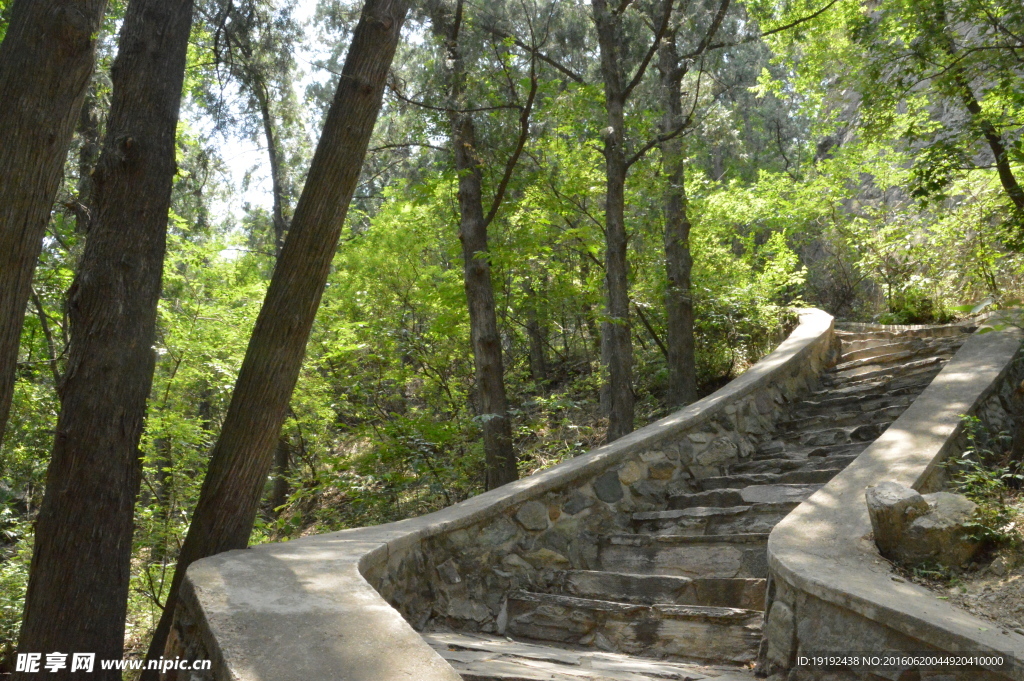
244,452
78,585
492,404
617,343
46,59
483,323
536,336
682,372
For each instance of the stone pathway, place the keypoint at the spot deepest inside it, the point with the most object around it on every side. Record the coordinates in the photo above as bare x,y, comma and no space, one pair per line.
686,588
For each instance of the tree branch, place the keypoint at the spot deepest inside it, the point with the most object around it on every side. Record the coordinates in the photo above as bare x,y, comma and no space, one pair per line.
524,133
666,13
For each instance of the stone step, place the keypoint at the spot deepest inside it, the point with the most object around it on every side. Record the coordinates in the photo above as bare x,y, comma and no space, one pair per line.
728,555
778,465
856,402
859,367
889,382
877,349
720,498
798,453
820,461
840,435
703,520
661,630
842,418
937,331
754,494
480,657
777,494
741,480
651,589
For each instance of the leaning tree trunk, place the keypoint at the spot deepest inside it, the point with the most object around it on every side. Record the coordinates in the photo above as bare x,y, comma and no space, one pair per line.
78,584
492,404
682,372
243,455
617,348
46,59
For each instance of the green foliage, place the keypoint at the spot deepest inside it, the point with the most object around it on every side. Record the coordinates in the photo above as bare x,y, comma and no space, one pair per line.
986,475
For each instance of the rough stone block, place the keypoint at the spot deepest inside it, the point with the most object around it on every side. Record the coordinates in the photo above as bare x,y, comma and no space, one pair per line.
939,535
607,487
662,470
780,635
632,471
533,515
576,503
721,450
892,508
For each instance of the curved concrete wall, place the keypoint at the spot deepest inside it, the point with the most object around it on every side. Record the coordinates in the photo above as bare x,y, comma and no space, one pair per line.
830,590
347,605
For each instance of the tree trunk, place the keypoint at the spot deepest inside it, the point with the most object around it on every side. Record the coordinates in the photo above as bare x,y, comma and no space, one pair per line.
995,143
282,462
617,343
244,452
536,336
682,371
276,172
78,585
492,405
88,157
46,59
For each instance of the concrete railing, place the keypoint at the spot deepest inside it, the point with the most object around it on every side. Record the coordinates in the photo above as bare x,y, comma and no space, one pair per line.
347,605
831,592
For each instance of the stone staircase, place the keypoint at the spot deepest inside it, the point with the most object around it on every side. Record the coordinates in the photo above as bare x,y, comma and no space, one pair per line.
680,596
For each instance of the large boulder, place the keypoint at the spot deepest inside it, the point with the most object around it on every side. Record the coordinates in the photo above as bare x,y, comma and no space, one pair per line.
940,535
892,508
913,529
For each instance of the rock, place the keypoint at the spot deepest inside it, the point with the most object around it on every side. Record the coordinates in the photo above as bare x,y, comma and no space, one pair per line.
546,558
721,450
533,515
607,487
631,472
662,470
576,503
940,534
913,529
449,571
892,508
516,562
998,567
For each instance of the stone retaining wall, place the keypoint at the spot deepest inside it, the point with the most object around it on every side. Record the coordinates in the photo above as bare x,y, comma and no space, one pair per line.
829,589
340,605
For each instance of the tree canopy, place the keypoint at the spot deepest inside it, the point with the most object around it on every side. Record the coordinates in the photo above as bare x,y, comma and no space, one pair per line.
550,187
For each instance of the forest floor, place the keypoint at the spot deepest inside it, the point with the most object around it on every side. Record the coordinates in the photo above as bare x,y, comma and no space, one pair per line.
991,587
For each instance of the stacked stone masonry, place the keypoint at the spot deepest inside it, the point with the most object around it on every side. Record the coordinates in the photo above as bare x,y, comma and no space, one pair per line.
645,559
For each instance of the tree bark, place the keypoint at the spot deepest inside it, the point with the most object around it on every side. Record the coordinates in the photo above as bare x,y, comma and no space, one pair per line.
682,372
46,59
617,343
78,584
492,403
88,156
536,336
244,452
276,171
